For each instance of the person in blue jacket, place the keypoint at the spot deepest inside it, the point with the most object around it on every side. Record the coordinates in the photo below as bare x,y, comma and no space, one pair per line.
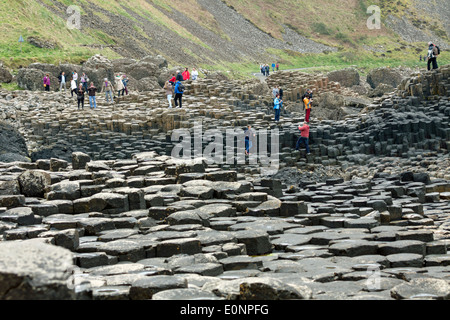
277,107
179,90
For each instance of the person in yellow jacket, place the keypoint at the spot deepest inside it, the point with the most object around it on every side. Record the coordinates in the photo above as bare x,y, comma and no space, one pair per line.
307,100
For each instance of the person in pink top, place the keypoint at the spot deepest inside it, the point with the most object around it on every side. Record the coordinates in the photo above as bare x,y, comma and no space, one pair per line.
46,81
304,137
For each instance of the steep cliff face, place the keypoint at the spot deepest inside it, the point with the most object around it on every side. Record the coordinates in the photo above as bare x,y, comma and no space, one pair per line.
12,144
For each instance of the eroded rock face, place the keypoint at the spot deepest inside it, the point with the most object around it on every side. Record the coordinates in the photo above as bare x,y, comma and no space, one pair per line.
33,270
387,76
347,77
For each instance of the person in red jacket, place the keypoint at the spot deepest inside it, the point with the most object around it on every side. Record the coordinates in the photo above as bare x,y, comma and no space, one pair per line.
304,138
186,74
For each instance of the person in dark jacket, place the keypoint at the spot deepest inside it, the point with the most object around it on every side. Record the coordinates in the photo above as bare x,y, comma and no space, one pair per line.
179,76
179,90
80,96
433,52
92,100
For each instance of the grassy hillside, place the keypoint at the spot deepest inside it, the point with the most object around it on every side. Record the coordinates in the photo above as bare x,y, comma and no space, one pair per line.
187,33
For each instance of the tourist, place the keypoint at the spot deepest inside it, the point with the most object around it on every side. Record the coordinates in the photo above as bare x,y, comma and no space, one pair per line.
263,70
267,70
275,92
92,100
169,92
62,82
186,75
433,52
125,84
277,103
307,100
273,67
119,84
194,74
179,76
46,81
108,89
280,92
80,96
278,66
75,77
179,90
173,79
84,81
304,138
73,87
248,134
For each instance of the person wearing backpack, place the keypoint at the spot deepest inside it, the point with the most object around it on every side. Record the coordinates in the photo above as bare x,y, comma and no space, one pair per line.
179,90
433,52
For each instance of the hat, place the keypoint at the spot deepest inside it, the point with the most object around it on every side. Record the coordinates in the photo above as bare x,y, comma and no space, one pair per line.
430,43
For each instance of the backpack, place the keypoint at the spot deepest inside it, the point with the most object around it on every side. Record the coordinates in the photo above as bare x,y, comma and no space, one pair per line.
436,50
181,88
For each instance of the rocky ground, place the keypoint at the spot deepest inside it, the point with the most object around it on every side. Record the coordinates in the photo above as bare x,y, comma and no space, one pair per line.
114,216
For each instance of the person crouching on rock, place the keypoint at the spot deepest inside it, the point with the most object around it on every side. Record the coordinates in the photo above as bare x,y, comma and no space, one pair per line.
92,100
80,96
304,138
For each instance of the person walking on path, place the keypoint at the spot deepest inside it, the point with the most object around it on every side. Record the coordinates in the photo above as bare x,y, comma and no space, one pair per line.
179,90
186,75
169,92
84,81
277,107
273,67
267,70
73,87
108,89
433,52
194,74
304,138
119,85
92,99
62,82
278,66
80,96
46,81
263,70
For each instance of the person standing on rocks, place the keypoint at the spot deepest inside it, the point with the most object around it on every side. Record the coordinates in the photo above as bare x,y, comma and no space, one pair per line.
433,52
80,96
108,89
125,85
304,138
92,100
75,77
307,100
275,92
46,81
173,79
84,81
119,85
194,74
179,90
73,87
186,75
179,76
62,81
280,92
277,107
248,134
169,92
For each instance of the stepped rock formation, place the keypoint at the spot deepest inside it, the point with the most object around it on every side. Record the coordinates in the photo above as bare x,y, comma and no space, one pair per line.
369,203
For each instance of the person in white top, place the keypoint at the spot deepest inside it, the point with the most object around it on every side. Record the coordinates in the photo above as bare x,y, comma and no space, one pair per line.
194,74
62,81
73,86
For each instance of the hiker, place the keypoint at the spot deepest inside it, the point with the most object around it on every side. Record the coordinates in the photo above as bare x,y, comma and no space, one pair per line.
277,104
278,66
62,81
267,70
169,92
92,100
84,81
46,81
108,89
119,84
179,90
179,76
186,75
420,58
263,70
307,100
80,96
304,138
73,87
194,74
280,92
273,67
173,79
248,134
125,84
433,52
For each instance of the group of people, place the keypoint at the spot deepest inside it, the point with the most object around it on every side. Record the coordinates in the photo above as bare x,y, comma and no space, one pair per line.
175,88
265,68
79,87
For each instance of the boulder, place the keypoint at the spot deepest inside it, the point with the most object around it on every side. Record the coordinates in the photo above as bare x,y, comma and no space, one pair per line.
347,77
34,182
79,160
5,75
387,76
32,79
